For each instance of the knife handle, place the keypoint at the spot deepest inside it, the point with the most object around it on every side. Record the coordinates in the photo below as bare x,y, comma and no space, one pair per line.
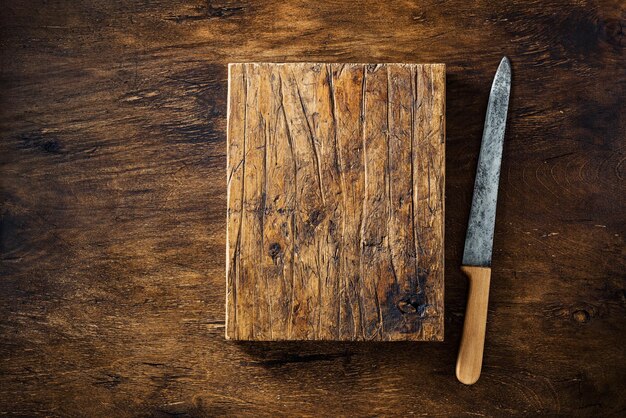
470,359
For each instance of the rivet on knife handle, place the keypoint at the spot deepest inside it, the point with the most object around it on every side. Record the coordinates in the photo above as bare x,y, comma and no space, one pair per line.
480,230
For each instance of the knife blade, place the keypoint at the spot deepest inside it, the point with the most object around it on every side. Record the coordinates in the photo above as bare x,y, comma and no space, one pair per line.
480,231
482,220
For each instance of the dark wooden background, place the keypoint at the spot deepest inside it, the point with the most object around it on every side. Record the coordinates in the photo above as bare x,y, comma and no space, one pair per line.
112,184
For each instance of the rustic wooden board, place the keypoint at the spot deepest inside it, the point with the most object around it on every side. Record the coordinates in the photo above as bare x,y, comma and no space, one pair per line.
335,201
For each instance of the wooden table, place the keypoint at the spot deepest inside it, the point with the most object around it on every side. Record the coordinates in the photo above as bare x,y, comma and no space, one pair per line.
113,193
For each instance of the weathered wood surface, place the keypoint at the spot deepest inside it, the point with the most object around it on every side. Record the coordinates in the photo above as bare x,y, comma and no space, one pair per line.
335,201
112,162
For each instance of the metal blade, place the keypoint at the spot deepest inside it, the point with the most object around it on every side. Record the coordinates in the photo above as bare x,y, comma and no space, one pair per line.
482,220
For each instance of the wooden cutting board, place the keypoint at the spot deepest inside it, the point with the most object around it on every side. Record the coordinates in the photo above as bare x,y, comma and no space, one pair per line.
335,201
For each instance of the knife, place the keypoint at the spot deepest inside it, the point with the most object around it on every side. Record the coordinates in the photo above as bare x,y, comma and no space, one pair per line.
479,239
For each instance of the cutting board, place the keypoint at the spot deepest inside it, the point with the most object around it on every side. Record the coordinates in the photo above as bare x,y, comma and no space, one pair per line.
335,217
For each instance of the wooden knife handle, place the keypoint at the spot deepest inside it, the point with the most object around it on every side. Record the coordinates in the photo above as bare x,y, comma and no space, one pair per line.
470,359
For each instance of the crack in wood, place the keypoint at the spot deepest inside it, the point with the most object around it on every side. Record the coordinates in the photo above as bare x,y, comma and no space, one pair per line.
293,214
313,145
363,203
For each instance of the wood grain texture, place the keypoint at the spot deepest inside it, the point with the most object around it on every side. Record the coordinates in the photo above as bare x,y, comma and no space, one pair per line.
470,359
113,202
335,201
